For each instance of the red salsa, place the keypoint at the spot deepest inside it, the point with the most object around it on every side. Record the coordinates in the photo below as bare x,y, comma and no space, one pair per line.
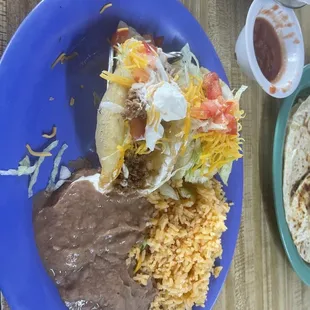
268,49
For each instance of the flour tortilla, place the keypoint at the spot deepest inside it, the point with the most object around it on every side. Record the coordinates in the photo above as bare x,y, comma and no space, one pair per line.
298,218
296,178
110,131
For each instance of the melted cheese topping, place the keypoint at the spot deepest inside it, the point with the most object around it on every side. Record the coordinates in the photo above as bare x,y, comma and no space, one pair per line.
218,149
114,78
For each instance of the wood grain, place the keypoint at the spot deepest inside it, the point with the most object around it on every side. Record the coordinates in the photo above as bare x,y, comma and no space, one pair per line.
260,276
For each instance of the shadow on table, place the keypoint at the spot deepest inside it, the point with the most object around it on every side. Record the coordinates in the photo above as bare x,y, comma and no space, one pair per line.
268,122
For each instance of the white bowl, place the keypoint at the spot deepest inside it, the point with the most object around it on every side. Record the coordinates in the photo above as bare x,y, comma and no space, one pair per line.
288,29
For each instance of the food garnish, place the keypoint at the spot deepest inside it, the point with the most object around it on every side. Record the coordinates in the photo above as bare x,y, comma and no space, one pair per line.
72,101
63,57
51,183
35,174
52,135
37,154
108,5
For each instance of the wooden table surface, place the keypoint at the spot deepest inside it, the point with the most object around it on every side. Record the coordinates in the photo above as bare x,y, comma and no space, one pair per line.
260,276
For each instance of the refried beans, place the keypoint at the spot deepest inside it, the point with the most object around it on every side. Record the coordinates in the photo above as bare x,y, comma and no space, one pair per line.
84,238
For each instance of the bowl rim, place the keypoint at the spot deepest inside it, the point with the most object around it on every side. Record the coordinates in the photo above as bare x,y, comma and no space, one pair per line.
266,85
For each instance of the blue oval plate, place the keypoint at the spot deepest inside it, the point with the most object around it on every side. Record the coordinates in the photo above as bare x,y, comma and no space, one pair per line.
303,91
28,82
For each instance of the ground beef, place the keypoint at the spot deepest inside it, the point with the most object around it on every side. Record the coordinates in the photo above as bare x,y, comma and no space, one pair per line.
138,172
134,107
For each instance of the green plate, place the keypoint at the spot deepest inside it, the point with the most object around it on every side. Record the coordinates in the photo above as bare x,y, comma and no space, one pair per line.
303,91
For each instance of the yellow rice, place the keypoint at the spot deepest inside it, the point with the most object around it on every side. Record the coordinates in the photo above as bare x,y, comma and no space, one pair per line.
183,243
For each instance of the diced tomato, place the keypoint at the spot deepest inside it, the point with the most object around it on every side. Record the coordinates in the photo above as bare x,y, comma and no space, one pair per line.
221,100
199,113
137,127
230,107
159,41
232,127
211,86
120,36
220,119
212,107
149,48
208,109
140,75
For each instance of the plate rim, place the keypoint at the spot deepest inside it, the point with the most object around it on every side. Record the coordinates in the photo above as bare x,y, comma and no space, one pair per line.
240,166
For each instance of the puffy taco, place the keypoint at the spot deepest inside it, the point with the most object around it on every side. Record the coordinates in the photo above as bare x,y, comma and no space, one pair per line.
168,119
211,139
140,116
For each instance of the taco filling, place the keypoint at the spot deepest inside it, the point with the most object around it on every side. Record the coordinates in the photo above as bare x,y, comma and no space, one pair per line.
181,118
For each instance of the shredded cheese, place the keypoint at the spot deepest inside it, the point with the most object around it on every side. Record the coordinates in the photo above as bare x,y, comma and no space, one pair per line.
52,135
37,154
62,58
122,150
218,149
142,149
194,96
108,5
133,54
69,57
72,101
127,82
58,59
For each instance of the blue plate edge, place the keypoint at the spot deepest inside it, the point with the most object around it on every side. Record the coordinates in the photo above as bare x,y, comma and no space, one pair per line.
224,273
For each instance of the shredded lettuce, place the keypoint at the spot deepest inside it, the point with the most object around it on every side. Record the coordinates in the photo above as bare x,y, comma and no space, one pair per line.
51,183
187,161
167,191
39,162
188,58
189,65
64,173
239,92
224,172
187,193
24,168
197,175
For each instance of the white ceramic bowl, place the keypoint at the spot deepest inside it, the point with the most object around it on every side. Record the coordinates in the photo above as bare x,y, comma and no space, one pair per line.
288,29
